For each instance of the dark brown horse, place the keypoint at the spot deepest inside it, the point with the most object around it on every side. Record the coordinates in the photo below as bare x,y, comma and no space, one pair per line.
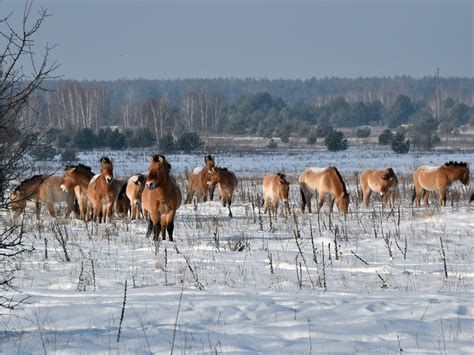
438,178
227,182
102,192
323,181
160,198
42,189
275,188
76,178
382,181
197,182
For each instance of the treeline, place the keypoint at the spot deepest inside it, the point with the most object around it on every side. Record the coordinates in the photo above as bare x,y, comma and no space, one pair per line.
146,111
203,104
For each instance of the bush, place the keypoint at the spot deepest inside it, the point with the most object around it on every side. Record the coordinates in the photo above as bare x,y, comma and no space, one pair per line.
272,144
312,138
363,132
84,139
335,141
139,138
45,152
68,155
167,143
386,137
189,141
400,145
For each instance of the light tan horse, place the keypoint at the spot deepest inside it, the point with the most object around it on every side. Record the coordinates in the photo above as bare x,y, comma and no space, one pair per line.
323,181
227,182
382,181
76,178
438,178
275,188
160,198
42,189
134,190
197,182
102,192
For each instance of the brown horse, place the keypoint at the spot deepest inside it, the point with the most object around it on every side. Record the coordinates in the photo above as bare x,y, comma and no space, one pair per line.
161,198
227,182
134,190
102,192
122,203
42,189
77,178
275,188
427,179
323,181
382,181
197,182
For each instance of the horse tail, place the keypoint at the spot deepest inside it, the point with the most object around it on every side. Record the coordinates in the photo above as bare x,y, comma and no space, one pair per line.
471,198
303,197
413,195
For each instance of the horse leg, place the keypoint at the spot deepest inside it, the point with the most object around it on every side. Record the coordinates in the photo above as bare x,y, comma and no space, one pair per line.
37,208
274,205
331,203
392,199
366,196
442,196
50,207
110,210
229,202
426,196
134,210
211,193
384,199
150,228
320,201
170,225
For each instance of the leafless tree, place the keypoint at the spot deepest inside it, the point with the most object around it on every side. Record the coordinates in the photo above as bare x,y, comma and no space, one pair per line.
22,73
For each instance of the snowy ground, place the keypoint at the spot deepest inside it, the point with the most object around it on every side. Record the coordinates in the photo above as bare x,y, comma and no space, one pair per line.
373,283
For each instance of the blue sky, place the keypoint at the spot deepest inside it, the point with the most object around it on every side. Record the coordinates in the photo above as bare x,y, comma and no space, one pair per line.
107,39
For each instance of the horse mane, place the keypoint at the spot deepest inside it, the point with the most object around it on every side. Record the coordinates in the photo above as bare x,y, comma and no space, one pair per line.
156,158
390,174
79,166
27,181
282,177
340,179
222,169
456,164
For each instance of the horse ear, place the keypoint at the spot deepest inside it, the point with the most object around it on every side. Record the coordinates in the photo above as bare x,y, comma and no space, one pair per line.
168,165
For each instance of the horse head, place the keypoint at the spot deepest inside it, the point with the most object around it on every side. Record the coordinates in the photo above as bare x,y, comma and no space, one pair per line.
106,170
158,172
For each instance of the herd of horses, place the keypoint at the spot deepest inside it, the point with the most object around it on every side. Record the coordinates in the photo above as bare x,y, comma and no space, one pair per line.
156,195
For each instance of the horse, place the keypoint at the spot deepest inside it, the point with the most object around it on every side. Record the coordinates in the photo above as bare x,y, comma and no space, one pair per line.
438,178
197,182
76,178
323,181
382,181
134,190
102,192
122,203
160,198
42,189
227,182
275,188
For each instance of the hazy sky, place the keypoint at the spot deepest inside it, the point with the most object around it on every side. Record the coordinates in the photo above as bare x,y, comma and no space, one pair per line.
112,39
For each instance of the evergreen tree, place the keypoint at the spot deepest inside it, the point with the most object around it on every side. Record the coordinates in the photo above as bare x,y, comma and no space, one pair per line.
386,137
400,145
335,141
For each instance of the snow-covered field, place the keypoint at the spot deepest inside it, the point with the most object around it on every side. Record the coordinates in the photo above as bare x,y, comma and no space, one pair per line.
375,282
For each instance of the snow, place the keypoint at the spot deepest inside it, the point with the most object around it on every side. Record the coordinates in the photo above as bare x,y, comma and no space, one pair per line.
241,285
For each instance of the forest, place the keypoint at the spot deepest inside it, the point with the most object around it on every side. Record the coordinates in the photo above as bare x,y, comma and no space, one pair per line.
153,112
